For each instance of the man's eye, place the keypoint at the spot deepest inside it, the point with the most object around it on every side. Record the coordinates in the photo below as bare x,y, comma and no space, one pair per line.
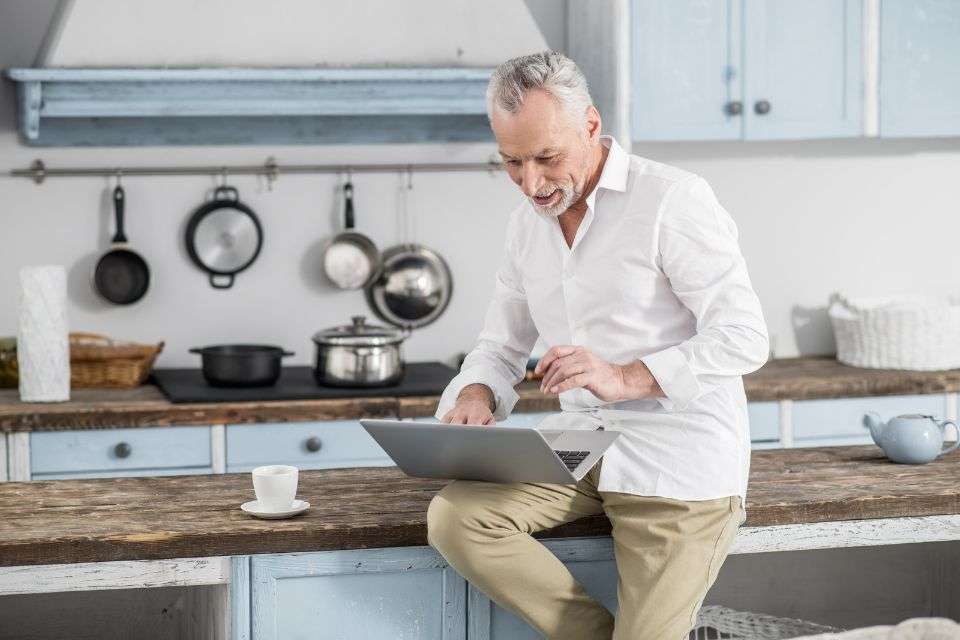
512,162
547,158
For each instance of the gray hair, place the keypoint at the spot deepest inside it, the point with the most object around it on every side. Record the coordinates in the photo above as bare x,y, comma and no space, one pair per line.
549,71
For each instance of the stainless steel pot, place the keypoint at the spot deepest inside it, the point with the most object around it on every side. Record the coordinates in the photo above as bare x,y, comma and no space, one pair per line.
359,355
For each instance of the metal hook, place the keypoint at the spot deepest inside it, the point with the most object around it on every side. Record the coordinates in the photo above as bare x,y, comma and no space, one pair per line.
272,172
223,176
409,177
119,177
349,174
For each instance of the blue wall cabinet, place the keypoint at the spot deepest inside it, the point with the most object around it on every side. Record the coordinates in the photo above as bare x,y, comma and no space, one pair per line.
802,69
399,593
919,68
686,83
746,69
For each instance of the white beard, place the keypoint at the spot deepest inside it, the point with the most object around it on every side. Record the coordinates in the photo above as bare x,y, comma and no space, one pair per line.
568,195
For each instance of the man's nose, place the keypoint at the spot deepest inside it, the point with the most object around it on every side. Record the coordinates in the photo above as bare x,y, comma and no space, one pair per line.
530,179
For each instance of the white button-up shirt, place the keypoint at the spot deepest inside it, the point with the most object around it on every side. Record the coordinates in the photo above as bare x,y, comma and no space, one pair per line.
654,273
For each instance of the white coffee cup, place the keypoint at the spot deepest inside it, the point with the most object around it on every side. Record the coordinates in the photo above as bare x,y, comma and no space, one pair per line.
275,486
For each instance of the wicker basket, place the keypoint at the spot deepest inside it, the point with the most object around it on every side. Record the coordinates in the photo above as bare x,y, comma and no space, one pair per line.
716,623
96,361
921,333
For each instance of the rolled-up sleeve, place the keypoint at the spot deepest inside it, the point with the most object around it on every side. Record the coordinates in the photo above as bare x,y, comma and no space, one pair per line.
500,356
697,245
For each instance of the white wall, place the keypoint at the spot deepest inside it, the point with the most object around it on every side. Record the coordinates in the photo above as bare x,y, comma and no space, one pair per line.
860,216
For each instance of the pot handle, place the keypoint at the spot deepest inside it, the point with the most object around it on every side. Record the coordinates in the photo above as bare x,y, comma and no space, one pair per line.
222,285
287,353
196,350
348,217
943,429
226,190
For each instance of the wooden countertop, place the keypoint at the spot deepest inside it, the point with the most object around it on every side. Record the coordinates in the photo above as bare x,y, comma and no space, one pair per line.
67,521
788,378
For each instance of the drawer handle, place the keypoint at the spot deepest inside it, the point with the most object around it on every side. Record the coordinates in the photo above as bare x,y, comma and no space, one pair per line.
122,450
313,444
762,107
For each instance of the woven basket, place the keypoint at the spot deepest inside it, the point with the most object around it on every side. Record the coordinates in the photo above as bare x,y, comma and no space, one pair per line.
716,623
921,333
96,361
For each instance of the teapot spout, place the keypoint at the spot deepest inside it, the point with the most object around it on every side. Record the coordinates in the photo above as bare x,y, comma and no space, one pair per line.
873,422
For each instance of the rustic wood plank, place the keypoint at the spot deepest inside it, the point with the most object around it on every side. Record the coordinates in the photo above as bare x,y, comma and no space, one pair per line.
146,406
802,378
812,377
197,516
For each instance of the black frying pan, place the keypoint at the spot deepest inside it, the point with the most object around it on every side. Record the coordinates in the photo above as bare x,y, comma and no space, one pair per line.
122,275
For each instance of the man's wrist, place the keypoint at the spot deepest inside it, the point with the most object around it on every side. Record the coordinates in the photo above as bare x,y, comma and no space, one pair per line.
480,393
638,382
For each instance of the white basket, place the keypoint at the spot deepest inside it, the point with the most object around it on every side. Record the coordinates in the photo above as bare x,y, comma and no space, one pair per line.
917,332
716,623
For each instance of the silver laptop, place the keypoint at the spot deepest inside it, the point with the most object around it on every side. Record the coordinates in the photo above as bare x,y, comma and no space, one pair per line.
495,454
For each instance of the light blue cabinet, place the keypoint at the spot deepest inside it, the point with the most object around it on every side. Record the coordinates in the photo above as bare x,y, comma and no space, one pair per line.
746,69
840,420
802,69
685,69
764,423
308,445
398,593
919,68
143,451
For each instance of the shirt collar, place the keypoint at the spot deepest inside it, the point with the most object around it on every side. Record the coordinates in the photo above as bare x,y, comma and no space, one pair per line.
615,171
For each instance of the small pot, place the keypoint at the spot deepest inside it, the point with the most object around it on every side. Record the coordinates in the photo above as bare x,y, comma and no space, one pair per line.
241,365
359,355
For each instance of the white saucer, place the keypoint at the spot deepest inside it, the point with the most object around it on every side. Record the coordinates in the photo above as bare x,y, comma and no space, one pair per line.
253,508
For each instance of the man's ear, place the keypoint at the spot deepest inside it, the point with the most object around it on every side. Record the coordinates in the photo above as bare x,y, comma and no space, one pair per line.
594,123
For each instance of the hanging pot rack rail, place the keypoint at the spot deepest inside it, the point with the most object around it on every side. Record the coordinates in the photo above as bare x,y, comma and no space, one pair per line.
39,171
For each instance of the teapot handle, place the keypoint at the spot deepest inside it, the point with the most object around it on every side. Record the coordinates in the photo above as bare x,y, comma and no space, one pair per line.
943,428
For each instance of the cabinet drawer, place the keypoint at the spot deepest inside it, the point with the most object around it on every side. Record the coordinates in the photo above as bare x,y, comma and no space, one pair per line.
764,421
101,452
341,444
843,417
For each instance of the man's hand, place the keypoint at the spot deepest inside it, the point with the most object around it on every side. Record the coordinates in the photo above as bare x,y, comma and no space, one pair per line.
474,405
571,367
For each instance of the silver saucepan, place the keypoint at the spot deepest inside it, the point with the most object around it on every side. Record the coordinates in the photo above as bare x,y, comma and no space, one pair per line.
359,355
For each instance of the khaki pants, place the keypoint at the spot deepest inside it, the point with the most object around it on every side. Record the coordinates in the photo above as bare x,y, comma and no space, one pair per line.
668,553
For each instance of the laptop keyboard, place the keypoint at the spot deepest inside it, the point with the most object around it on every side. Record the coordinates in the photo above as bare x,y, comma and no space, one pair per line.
572,458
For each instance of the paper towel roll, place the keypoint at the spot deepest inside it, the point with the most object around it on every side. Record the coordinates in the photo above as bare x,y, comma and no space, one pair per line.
43,343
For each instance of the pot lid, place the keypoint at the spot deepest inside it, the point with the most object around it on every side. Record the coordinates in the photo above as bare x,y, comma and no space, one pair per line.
359,333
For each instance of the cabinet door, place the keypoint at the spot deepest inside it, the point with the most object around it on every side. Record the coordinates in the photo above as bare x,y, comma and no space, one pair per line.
136,451
919,68
400,593
308,445
685,69
841,419
803,69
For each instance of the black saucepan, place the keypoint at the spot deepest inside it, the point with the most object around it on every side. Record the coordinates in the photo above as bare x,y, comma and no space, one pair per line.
122,275
241,365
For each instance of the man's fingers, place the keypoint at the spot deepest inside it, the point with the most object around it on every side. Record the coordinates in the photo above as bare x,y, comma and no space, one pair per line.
565,372
552,354
447,417
575,382
555,373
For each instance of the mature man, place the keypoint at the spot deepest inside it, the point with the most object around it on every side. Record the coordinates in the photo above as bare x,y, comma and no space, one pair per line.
630,271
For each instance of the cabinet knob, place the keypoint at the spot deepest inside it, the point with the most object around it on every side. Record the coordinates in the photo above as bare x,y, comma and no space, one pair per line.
122,450
734,108
761,107
313,444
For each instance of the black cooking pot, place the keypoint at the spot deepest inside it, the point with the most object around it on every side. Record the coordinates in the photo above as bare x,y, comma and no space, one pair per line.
241,365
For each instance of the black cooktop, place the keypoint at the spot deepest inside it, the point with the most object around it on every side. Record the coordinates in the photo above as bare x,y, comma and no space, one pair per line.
297,383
